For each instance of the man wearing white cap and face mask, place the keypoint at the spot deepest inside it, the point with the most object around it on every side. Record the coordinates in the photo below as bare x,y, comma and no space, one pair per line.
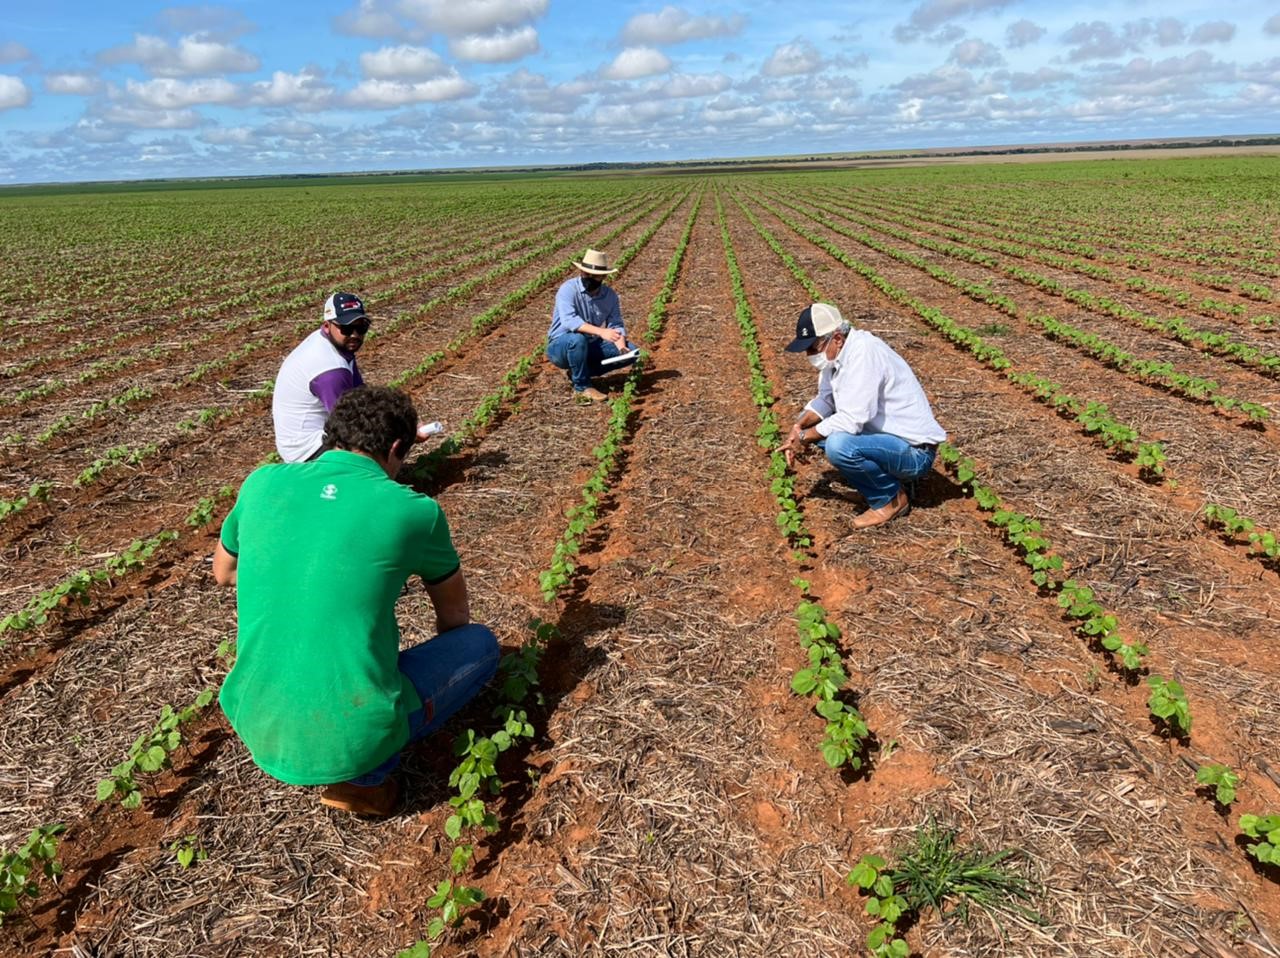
870,415
587,337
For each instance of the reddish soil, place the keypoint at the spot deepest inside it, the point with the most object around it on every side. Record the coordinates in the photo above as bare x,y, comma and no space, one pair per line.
674,801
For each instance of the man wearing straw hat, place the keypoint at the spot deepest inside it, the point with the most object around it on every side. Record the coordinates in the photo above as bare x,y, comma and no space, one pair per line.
587,338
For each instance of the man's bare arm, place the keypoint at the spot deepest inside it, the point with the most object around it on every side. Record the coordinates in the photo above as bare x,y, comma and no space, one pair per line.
450,601
224,566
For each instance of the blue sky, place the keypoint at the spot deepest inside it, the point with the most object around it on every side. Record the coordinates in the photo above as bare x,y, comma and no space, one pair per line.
129,90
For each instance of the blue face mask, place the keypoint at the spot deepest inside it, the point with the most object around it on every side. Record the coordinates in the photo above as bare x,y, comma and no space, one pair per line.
592,283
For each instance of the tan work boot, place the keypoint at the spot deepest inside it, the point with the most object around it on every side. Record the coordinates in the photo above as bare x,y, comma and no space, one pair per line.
590,394
377,801
897,506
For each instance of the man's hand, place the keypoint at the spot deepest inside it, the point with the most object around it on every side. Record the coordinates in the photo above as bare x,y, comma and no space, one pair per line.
794,448
615,336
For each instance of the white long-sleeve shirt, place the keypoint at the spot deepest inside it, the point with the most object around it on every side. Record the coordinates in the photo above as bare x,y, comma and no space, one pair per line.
870,388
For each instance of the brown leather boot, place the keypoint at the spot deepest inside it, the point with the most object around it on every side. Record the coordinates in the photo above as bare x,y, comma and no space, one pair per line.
897,506
377,801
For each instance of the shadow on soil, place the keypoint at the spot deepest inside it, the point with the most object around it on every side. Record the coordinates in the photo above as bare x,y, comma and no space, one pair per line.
427,764
926,493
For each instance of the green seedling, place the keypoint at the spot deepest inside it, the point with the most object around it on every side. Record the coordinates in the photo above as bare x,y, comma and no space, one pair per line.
188,850
1168,704
1223,780
1265,829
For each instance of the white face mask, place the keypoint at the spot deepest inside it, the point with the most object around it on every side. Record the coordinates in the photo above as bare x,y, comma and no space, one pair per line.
819,361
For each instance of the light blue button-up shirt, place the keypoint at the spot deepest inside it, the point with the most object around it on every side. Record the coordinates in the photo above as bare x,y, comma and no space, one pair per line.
575,306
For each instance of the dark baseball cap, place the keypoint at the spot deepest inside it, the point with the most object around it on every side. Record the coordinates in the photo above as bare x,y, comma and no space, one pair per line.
815,322
343,308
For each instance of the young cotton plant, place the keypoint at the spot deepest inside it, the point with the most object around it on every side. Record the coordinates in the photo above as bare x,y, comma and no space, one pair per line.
1221,779
151,752
1265,830
22,869
1168,705
846,735
930,873
476,775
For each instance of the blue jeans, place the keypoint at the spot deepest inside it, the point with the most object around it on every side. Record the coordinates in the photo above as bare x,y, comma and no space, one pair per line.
581,354
875,462
448,671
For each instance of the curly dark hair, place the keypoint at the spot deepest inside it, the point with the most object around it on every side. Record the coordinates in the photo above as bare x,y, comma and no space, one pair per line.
370,419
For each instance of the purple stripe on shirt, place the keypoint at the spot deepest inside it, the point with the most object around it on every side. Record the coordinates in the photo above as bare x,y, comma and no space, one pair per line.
332,383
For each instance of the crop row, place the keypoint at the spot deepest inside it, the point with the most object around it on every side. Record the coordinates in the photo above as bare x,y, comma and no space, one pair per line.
1093,416
1167,700
476,774
846,735
481,323
1262,543
1206,341
582,516
1161,373
1031,246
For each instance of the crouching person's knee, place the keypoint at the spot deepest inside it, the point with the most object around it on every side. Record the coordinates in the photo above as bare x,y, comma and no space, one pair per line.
841,448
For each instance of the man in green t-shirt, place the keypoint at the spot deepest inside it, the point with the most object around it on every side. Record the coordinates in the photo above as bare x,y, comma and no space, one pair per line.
319,552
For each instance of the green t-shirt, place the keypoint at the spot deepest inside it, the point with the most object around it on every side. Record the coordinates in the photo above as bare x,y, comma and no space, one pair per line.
324,549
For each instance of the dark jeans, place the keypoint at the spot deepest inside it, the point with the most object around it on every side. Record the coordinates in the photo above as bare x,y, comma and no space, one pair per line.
581,354
875,462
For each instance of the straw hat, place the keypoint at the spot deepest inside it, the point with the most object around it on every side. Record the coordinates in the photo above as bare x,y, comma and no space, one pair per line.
595,263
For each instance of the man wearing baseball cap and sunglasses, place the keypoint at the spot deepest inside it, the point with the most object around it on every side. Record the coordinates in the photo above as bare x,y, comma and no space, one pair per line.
315,375
870,415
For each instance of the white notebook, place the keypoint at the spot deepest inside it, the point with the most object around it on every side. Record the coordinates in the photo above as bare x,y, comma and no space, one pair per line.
620,358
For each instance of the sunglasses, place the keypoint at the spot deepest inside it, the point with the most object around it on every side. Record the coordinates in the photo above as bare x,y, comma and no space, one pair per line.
360,326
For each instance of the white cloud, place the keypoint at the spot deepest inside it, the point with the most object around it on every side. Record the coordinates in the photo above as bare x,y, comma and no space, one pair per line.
686,85
305,90
169,94
1023,33
14,52
1169,31
503,46
96,130
1094,41
402,63
934,13
455,18
289,128
193,56
386,94
228,136
674,25
148,119
1272,26
1043,77
975,53
636,62
1219,31
369,19
1174,76
74,84
793,59
13,92
632,116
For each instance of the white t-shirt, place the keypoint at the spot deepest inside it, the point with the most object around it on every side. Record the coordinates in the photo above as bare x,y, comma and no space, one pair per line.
870,388
299,414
